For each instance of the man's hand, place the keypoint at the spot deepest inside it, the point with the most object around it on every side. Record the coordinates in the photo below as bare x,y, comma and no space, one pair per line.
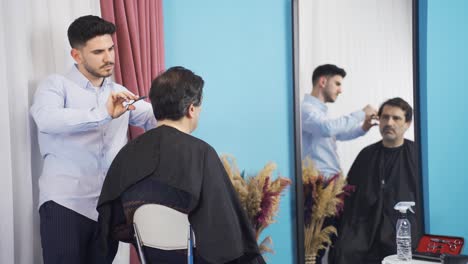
115,103
370,122
371,117
369,111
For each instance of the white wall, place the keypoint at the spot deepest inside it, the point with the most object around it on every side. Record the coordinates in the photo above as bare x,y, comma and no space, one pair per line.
372,41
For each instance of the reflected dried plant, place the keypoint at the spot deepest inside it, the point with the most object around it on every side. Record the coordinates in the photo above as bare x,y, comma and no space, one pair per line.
323,198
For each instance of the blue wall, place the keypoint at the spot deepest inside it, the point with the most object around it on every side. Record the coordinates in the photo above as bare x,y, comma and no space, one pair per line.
444,79
243,50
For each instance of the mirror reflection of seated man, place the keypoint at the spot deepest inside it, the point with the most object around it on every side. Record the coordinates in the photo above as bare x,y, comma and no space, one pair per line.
319,131
168,166
383,173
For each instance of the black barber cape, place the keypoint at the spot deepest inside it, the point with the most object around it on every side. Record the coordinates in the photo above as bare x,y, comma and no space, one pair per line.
382,177
169,156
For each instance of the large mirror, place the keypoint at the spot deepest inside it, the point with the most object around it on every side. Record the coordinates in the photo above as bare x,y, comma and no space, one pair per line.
375,42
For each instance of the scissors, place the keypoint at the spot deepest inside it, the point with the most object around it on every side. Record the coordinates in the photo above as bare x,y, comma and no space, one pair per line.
453,244
434,247
134,101
139,98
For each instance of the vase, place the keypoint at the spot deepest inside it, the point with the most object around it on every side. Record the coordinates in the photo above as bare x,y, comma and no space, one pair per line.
310,258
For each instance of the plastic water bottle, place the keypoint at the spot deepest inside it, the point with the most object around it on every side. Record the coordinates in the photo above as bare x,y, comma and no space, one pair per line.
403,239
403,232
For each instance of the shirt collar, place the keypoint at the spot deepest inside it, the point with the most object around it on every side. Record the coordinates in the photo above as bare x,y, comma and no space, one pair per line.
77,77
316,102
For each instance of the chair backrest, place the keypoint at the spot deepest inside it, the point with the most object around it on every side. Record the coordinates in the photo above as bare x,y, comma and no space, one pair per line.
162,227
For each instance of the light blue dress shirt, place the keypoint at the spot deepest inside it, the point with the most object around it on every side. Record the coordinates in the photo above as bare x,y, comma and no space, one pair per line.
320,132
78,139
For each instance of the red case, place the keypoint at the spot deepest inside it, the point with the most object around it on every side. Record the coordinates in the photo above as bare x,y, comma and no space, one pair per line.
437,245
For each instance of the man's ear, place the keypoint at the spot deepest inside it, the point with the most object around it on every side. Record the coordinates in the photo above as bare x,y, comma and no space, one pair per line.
407,124
323,81
76,55
191,111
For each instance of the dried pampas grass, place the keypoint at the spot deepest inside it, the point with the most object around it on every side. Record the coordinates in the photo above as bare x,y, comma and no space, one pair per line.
323,198
259,195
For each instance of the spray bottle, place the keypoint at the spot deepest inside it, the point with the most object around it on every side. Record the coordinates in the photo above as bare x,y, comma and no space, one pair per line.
403,231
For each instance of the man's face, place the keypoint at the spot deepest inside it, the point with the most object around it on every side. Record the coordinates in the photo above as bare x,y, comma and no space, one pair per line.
97,56
392,124
332,88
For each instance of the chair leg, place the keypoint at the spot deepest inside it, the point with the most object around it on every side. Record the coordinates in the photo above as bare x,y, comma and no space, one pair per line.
139,245
189,247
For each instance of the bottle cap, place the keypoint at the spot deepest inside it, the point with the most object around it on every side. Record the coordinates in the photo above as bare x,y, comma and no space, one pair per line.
404,206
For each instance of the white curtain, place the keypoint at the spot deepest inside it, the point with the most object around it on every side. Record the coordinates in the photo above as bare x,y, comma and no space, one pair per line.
33,44
372,41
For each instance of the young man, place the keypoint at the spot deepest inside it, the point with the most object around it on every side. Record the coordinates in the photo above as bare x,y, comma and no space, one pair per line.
319,131
168,166
82,119
383,173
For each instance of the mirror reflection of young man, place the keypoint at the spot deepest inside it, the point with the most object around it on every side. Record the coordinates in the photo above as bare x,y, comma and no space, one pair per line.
319,131
82,123
383,173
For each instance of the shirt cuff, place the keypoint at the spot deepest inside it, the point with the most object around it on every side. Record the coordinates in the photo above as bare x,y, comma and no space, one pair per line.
359,115
103,115
361,132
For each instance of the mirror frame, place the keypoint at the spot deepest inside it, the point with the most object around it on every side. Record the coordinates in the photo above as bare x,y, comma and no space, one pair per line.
299,194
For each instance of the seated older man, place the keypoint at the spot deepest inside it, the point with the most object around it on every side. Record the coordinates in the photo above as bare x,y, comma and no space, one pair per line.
168,166
383,173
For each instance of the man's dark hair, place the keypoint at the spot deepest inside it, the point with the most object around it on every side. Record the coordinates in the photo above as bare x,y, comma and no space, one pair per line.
87,27
400,103
327,70
174,91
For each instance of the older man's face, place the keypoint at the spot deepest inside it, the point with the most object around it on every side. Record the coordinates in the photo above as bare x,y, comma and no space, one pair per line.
392,124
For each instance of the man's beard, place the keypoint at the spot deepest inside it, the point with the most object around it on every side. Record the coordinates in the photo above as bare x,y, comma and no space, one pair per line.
328,98
388,136
95,73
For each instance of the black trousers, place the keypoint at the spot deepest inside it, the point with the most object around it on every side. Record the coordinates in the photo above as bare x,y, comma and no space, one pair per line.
70,238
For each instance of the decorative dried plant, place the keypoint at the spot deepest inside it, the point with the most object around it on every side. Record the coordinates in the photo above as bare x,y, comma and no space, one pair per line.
323,198
259,195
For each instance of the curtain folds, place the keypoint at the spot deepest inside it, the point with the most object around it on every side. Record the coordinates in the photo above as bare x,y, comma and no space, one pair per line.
33,44
139,43
33,48
139,46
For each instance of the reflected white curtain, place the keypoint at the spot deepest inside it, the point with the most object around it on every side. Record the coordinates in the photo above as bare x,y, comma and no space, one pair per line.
33,44
372,41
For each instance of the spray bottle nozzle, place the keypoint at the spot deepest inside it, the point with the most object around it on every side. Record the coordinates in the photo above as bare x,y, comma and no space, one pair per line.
404,206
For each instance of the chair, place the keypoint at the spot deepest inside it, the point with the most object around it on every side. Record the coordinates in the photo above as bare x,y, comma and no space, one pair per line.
161,227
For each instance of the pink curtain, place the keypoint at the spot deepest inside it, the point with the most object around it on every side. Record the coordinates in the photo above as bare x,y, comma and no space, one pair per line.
139,43
139,49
